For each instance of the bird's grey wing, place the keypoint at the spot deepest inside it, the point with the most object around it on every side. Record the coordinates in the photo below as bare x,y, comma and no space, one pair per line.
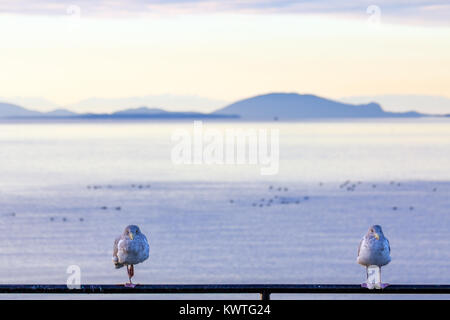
134,251
389,246
360,244
115,248
115,253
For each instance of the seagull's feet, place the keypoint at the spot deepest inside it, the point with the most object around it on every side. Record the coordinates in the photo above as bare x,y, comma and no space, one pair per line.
369,286
130,285
381,285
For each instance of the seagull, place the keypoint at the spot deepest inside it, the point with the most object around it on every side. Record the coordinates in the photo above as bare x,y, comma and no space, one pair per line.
374,250
129,249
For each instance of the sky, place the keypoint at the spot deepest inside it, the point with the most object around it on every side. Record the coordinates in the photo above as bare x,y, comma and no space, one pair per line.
62,53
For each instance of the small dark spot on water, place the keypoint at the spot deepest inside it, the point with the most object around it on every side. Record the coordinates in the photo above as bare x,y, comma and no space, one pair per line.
344,184
104,208
118,208
81,219
394,208
64,219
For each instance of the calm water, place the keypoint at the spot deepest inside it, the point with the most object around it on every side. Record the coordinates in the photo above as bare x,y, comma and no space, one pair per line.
205,223
49,154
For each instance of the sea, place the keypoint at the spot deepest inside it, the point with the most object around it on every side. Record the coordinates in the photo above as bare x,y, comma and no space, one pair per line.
69,188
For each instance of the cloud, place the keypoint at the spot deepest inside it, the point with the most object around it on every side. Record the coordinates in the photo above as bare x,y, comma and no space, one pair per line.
407,11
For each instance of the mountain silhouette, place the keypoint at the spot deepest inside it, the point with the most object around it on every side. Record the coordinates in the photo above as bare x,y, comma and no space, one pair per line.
293,106
8,110
272,106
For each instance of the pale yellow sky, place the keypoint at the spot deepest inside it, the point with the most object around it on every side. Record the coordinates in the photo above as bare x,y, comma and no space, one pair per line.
220,56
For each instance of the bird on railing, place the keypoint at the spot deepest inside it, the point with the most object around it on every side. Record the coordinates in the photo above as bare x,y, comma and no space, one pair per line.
129,249
374,250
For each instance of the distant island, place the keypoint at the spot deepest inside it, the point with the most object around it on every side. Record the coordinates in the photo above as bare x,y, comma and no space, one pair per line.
293,106
14,112
272,106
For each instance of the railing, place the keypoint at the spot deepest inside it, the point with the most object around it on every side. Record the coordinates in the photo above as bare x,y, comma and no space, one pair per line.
265,290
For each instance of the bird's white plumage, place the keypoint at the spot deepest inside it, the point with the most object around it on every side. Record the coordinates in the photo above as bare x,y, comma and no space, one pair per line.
130,251
372,250
133,251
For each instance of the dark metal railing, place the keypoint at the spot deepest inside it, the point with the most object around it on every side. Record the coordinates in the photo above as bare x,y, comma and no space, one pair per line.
265,290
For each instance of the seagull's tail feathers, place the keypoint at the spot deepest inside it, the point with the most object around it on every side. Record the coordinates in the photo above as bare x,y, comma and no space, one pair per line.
117,264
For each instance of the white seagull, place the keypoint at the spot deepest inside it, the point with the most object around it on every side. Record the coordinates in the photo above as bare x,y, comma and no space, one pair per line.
374,250
129,249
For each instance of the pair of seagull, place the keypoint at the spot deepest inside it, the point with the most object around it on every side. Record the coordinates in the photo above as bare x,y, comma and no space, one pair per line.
132,248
